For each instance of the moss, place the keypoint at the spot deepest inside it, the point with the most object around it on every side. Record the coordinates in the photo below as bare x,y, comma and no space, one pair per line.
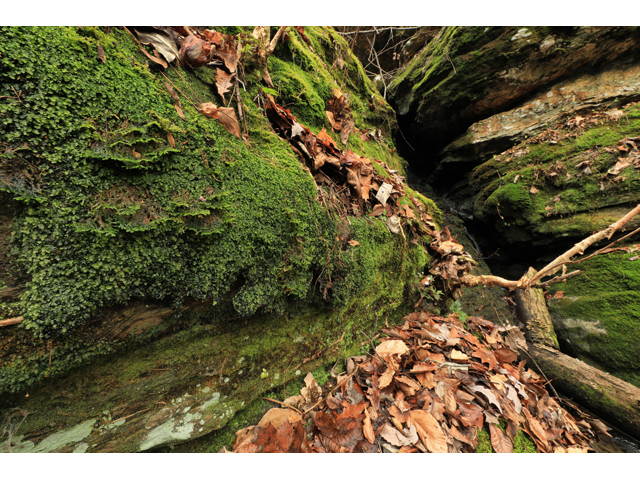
597,318
111,213
567,198
522,443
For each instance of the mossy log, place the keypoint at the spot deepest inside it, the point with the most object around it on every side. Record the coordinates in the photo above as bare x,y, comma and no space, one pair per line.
615,400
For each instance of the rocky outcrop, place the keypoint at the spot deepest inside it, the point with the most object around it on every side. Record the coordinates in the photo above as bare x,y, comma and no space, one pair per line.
532,134
468,74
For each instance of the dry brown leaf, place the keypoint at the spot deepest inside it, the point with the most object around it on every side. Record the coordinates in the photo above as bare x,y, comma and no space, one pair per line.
367,429
194,52
533,190
172,142
391,347
101,55
277,416
500,441
487,393
386,377
559,294
223,81
393,436
323,135
179,110
228,119
457,356
429,430
210,110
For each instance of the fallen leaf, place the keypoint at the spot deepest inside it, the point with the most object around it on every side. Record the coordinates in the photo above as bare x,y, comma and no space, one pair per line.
179,110
386,377
457,356
101,55
533,190
172,142
393,436
367,429
620,165
559,294
229,121
277,416
161,41
429,431
499,440
490,396
383,193
391,347
505,355
210,110
223,81
194,52
353,243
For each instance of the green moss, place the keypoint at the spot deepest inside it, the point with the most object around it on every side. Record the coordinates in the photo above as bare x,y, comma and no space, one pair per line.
567,198
522,443
597,318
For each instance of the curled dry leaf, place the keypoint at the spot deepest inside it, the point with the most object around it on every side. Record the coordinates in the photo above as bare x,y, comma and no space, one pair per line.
194,52
367,429
209,109
161,41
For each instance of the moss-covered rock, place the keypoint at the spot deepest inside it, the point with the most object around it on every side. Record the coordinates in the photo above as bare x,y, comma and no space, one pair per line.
466,74
561,184
172,243
597,318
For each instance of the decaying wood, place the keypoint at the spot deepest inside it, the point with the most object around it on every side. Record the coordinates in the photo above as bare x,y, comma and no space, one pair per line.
615,400
531,309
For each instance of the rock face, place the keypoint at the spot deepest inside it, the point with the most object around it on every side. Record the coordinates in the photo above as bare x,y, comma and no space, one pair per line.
533,136
468,74
169,269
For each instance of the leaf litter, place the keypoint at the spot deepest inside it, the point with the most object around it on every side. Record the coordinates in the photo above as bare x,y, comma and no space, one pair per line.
429,386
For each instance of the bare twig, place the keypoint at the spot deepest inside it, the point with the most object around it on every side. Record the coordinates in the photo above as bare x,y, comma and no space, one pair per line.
10,321
580,247
283,404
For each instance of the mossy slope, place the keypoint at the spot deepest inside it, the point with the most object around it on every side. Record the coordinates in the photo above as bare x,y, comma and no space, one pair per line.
123,204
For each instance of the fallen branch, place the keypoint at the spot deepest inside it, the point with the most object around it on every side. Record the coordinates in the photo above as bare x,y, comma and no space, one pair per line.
560,262
10,321
580,247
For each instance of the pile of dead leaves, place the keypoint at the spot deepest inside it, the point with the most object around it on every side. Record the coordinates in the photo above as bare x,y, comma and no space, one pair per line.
429,387
351,179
